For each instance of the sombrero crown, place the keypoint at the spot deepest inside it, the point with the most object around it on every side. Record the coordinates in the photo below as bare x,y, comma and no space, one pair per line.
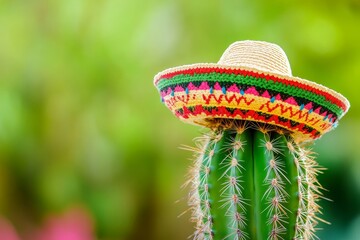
253,82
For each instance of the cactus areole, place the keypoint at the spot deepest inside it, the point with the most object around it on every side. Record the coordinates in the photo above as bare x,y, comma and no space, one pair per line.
254,176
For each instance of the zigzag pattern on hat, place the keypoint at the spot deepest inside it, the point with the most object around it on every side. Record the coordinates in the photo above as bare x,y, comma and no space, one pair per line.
198,94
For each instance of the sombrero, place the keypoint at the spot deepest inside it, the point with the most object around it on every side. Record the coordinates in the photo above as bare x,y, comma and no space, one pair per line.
252,82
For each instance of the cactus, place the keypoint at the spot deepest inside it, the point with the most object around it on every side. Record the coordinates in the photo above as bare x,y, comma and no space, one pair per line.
254,176
253,181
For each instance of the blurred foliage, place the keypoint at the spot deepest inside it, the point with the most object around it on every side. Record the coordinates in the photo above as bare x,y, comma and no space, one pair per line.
82,125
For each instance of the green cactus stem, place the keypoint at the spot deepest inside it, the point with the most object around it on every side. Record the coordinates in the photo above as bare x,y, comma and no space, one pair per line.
253,182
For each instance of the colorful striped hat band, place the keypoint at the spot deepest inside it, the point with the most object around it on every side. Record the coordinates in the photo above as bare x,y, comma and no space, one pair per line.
252,82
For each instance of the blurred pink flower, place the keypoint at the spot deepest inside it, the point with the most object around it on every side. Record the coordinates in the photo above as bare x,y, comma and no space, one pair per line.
75,224
7,231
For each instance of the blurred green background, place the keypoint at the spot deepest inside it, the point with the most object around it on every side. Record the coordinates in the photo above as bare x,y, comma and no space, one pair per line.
86,147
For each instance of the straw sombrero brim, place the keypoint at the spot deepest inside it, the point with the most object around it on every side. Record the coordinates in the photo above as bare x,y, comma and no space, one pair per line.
199,92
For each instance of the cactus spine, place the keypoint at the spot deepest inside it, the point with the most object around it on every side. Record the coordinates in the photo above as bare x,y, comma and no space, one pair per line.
253,182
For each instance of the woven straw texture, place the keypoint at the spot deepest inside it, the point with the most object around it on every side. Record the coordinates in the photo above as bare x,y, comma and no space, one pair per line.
252,81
